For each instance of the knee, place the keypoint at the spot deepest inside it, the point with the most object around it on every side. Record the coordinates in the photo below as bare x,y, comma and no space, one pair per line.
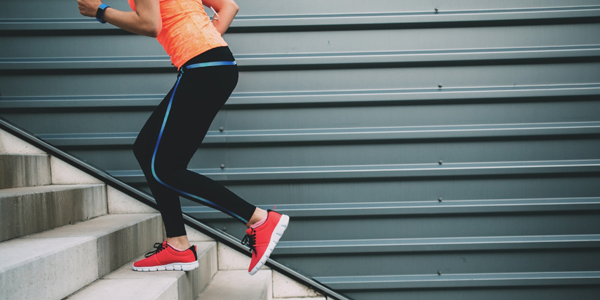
142,152
162,172
154,169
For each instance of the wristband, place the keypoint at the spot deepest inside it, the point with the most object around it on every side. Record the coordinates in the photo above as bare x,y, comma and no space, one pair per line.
100,13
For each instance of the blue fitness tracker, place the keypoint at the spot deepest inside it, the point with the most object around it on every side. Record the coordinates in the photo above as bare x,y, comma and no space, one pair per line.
100,13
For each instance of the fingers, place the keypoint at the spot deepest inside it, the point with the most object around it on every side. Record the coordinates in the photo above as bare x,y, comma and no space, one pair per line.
85,9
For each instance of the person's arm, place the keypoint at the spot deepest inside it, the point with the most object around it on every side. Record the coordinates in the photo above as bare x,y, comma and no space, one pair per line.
145,20
227,9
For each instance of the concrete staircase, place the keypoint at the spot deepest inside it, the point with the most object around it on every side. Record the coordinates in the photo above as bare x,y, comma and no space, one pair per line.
66,235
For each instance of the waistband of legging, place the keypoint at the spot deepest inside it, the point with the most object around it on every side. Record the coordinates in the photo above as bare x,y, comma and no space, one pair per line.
219,54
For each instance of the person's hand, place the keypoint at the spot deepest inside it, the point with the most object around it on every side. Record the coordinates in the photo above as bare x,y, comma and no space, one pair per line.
89,8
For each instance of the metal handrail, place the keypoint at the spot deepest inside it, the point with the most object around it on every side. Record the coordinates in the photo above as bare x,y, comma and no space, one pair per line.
138,195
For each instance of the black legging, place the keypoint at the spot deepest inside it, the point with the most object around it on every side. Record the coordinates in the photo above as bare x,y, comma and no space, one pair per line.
174,132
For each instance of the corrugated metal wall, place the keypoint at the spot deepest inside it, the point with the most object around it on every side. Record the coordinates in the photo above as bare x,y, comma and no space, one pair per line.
424,149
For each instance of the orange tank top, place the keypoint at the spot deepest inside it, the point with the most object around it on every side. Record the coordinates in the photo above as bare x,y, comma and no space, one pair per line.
186,30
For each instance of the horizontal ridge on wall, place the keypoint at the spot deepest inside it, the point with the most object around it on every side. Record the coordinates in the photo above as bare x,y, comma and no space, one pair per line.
438,244
386,171
347,283
412,208
265,61
327,20
337,97
345,134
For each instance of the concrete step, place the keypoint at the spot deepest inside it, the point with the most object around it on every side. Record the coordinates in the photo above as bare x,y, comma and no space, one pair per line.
147,288
29,210
125,283
238,284
55,263
17,170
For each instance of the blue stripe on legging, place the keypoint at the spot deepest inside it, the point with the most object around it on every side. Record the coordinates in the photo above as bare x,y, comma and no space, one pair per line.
162,129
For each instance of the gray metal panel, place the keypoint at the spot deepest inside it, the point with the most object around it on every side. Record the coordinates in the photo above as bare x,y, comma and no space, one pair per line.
438,244
411,208
349,134
479,261
408,145
434,225
311,14
342,114
490,293
464,280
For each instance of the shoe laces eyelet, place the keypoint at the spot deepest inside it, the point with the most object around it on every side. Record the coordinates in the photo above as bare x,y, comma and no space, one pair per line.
157,248
250,240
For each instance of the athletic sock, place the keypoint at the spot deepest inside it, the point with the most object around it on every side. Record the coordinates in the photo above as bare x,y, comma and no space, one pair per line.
260,222
175,248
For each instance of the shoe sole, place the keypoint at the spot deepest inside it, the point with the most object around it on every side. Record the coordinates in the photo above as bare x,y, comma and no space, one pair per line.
169,267
275,236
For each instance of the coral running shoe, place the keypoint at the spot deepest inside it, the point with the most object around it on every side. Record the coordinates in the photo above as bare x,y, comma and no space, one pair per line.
167,258
262,239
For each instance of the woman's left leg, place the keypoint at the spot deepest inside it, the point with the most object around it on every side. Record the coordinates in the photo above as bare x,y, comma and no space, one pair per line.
195,101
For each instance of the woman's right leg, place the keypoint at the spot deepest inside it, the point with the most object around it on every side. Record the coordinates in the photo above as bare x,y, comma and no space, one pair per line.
166,199
176,252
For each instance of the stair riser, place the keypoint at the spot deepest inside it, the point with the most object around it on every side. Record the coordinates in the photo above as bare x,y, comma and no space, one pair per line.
230,285
432,226
111,251
36,212
24,170
192,283
459,262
